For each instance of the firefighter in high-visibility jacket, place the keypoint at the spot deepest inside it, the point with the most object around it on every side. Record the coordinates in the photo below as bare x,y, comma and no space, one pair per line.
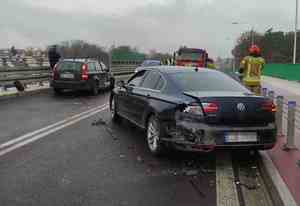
251,68
210,63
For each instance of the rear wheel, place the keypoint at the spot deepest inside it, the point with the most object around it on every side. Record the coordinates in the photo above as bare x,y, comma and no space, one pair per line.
95,89
57,91
113,111
153,137
112,83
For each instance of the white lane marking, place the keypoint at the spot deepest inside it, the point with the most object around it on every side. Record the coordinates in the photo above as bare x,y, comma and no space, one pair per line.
13,141
50,131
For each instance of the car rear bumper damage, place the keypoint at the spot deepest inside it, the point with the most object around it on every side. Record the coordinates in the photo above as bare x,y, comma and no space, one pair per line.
190,136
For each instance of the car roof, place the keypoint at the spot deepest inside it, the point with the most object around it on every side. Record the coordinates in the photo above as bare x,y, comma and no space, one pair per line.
151,60
179,69
81,60
191,50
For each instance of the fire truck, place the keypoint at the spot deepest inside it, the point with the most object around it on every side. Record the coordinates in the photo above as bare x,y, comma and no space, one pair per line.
191,57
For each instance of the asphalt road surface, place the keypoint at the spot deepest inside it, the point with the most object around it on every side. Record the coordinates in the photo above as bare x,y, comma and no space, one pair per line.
64,150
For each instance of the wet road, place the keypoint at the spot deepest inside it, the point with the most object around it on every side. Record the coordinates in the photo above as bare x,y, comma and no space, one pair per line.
87,160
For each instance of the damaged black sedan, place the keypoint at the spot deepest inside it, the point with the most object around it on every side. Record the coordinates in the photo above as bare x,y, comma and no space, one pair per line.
194,110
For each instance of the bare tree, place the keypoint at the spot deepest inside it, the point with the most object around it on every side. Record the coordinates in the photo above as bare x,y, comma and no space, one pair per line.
82,49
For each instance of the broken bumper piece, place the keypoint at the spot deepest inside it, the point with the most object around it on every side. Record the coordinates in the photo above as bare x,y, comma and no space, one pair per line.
201,137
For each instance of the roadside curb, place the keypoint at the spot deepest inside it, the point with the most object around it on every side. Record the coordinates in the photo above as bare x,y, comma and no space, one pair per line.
279,191
26,93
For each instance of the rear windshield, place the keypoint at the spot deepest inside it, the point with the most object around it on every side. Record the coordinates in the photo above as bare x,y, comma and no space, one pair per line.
69,66
150,63
206,81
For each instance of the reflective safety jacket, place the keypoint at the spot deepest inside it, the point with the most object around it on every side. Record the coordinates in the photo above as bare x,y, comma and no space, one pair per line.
211,66
251,68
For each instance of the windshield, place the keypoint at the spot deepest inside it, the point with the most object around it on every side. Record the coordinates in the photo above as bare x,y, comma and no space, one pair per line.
206,81
191,56
69,66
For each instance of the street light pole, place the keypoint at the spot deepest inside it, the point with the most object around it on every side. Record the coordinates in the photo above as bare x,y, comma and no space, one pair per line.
252,35
295,35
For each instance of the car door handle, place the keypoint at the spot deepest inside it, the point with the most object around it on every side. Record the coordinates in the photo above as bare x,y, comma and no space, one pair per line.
148,95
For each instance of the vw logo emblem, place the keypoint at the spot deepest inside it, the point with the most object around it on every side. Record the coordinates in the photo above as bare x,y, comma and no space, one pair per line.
241,107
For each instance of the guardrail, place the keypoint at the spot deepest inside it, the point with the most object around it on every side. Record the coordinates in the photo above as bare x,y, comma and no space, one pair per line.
288,112
18,61
28,75
43,61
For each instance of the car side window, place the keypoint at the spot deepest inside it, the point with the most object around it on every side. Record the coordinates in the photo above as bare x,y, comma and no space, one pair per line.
151,80
91,67
136,79
160,84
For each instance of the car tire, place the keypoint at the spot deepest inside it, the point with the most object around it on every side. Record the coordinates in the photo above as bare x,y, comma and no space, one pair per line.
95,89
155,145
112,84
113,111
57,91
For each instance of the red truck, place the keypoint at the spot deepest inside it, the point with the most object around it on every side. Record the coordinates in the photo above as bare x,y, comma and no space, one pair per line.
191,57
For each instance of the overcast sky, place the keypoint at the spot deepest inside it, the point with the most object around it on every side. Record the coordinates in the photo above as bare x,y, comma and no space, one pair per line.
162,25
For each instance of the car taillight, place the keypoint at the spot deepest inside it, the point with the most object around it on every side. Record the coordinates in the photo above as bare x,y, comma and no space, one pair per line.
269,106
210,107
84,72
55,72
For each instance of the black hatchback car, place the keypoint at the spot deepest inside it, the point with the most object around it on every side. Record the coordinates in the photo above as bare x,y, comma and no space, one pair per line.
81,74
194,110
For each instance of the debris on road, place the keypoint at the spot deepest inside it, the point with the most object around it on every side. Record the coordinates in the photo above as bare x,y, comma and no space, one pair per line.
139,159
101,122
131,147
195,186
248,186
98,122
208,171
191,172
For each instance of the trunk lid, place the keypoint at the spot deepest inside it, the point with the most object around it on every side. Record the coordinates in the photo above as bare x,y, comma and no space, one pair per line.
235,108
69,71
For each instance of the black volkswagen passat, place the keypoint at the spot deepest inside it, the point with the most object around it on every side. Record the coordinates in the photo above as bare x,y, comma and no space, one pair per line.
194,110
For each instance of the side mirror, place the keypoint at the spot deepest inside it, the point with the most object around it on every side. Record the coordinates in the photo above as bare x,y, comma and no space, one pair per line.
121,84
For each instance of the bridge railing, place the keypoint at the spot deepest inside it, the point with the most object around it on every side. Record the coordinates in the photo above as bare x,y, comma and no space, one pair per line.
287,118
28,75
19,61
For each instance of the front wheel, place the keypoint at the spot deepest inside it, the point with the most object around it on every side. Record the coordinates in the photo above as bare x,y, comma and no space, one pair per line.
113,111
153,137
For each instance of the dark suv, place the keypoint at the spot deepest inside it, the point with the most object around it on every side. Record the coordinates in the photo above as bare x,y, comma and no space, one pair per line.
81,74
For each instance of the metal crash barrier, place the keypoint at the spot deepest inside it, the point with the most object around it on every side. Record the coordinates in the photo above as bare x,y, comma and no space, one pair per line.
24,75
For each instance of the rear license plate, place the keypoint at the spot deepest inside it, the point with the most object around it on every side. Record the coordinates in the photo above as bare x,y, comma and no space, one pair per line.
241,137
67,76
